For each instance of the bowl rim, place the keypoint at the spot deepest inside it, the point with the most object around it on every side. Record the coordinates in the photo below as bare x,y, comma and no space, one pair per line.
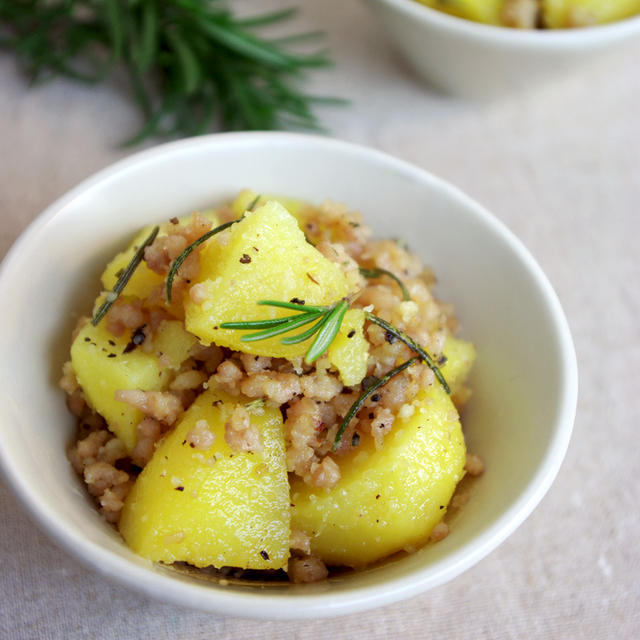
259,603
536,39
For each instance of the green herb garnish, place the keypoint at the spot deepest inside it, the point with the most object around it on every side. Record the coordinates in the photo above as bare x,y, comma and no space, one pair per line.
327,324
378,272
357,405
328,321
124,278
192,65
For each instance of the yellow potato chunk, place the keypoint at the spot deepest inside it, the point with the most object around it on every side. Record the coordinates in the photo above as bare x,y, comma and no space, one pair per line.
390,498
142,280
349,352
212,505
247,198
460,355
487,11
265,256
559,14
172,343
101,367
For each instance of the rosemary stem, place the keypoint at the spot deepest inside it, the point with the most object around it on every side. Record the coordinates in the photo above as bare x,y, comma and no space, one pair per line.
412,344
357,405
124,278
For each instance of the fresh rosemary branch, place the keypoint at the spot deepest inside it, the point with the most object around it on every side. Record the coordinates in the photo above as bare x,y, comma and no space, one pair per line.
192,64
329,319
356,406
125,276
378,272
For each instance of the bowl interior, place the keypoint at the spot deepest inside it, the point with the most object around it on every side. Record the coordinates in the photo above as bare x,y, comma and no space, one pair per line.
519,419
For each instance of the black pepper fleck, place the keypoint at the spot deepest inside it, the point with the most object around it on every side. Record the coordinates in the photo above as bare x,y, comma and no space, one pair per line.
137,338
87,339
355,439
351,333
111,355
442,506
179,488
389,337
264,554
442,359
246,259
112,343
296,301
174,220
378,496
375,397
371,415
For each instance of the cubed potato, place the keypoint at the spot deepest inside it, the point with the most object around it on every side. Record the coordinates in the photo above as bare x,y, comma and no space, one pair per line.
559,14
391,498
142,280
173,342
101,367
349,352
213,506
487,11
265,256
460,355
247,197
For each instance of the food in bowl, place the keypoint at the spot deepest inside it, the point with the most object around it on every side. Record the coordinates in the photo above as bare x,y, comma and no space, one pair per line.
538,14
265,387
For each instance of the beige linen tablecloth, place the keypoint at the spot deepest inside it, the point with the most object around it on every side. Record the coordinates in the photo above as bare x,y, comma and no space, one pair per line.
561,167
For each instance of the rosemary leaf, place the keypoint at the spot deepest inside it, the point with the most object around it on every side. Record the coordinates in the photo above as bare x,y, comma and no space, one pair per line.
377,272
293,322
305,335
412,344
296,306
327,332
125,276
254,324
357,405
175,265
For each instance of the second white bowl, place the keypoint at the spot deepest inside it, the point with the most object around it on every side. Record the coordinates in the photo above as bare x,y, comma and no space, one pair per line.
476,60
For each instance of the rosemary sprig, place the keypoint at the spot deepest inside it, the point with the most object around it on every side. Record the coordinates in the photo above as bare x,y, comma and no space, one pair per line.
192,64
329,319
124,278
357,405
412,344
378,272
186,252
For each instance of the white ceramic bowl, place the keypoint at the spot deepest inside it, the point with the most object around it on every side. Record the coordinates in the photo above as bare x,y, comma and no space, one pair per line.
525,381
476,60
